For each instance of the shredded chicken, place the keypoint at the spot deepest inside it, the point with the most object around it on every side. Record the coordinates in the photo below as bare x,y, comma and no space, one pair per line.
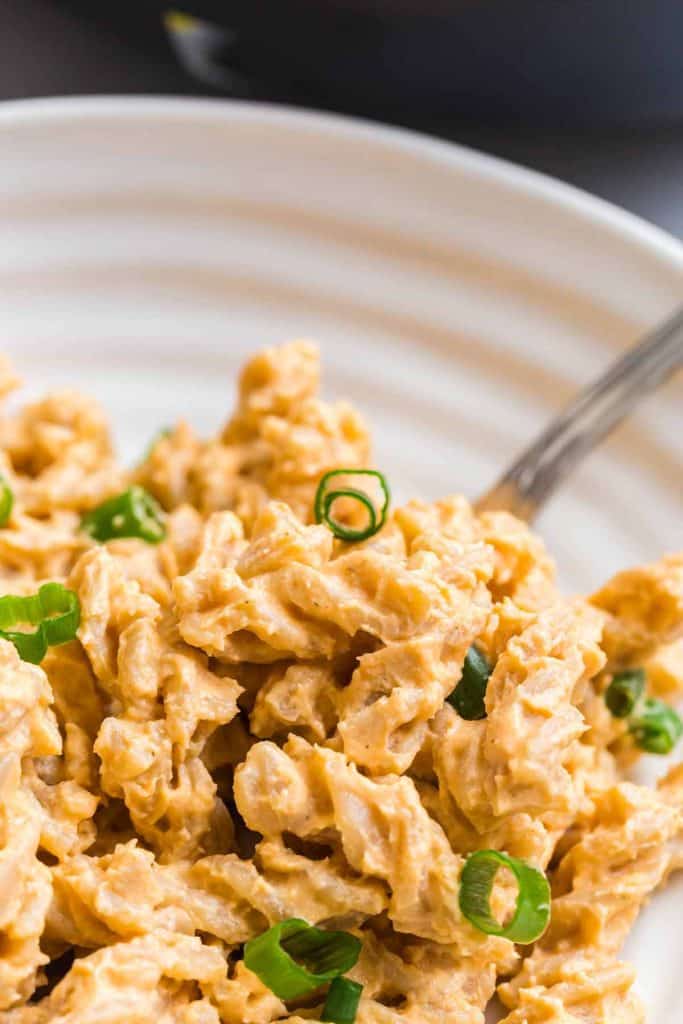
254,723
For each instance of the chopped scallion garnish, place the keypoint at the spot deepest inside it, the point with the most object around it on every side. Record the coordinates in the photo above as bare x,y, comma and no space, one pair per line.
342,1001
655,726
468,696
294,957
6,501
134,513
54,610
326,497
532,912
624,692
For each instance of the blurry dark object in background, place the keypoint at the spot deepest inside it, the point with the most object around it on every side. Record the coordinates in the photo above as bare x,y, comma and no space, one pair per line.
559,63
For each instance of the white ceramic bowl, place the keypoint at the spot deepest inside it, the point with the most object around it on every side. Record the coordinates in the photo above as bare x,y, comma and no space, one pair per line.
148,245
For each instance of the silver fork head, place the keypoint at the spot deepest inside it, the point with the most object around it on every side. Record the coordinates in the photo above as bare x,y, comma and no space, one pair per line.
547,462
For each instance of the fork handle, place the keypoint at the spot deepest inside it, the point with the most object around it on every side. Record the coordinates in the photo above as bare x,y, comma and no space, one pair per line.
596,411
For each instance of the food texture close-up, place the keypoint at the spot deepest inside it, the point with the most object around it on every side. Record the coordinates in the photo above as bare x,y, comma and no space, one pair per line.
275,747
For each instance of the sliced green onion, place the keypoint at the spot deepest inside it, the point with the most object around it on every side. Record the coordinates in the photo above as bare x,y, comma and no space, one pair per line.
6,501
293,957
342,1001
325,498
62,613
532,912
624,692
134,513
468,696
54,610
655,726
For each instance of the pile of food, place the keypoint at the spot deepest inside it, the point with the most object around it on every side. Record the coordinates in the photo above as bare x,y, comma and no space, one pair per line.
271,749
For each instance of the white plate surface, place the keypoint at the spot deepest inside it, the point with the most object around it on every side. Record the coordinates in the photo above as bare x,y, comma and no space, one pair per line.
148,246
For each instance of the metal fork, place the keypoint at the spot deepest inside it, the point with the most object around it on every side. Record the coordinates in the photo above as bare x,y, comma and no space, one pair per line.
542,467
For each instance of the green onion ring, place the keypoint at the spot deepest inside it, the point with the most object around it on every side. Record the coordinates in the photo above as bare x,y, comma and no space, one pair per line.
293,957
324,500
532,912
468,697
6,501
134,513
655,726
342,1001
624,692
54,610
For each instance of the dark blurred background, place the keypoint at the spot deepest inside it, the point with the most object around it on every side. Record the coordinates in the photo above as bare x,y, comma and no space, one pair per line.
590,91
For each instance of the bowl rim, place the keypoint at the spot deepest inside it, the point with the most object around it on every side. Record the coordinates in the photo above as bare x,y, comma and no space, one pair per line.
610,218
